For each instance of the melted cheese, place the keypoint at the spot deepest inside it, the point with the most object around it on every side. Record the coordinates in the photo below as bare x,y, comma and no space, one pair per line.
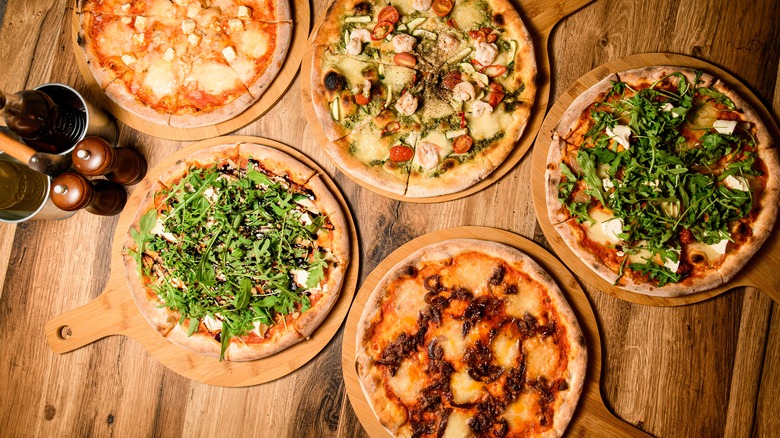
506,349
464,388
254,43
525,301
435,108
114,39
438,138
469,273
408,381
603,231
712,252
160,78
408,303
468,15
488,124
452,340
524,411
457,425
214,77
541,357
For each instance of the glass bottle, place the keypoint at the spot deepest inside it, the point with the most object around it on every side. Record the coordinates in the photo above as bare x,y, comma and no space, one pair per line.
47,126
21,188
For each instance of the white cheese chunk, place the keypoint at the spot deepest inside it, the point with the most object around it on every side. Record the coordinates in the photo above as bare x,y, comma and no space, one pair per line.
736,183
229,54
612,228
673,265
620,133
244,12
607,183
212,324
125,7
194,39
235,25
720,247
725,126
128,59
140,23
299,276
188,25
169,54
668,107
139,38
126,20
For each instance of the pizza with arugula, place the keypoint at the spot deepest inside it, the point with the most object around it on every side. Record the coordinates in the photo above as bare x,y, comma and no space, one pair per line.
663,180
422,98
237,252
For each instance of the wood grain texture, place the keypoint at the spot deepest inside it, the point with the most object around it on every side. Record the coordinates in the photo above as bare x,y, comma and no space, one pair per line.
671,371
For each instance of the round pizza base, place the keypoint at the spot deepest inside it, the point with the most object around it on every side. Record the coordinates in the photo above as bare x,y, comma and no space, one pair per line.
757,273
590,411
276,87
120,314
514,150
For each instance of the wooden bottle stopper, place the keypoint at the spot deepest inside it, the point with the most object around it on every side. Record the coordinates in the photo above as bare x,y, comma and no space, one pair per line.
71,192
93,156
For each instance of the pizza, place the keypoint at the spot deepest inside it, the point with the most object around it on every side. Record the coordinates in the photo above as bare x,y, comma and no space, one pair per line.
470,338
184,63
238,252
663,180
421,98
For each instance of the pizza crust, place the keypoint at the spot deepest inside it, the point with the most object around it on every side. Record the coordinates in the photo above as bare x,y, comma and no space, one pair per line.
556,211
649,75
394,417
568,122
295,330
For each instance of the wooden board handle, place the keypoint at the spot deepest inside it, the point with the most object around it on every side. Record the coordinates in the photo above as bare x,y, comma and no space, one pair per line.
86,324
16,149
543,16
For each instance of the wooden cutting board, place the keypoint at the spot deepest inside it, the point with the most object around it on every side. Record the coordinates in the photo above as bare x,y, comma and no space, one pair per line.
301,12
540,16
115,313
762,270
591,417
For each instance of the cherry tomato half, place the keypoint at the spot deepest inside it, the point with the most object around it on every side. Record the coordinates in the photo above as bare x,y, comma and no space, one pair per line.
381,30
405,60
389,13
362,99
442,7
462,144
496,94
401,153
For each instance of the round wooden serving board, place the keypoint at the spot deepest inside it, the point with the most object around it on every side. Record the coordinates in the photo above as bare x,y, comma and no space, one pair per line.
115,313
761,272
591,414
539,16
301,13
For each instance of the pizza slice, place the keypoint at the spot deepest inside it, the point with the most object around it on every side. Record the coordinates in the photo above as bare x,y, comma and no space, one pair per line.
347,93
379,153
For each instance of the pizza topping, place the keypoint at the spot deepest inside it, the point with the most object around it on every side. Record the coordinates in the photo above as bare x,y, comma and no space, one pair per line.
496,94
358,19
672,197
356,39
406,104
485,53
188,25
169,54
462,144
193,39
404,42
725,126
401,153
422,5
448,42
388,13
405,60
478,108
427,154
620,133
244,12
229,53
235,272
382,30
493,71
464,91
128,59
442,8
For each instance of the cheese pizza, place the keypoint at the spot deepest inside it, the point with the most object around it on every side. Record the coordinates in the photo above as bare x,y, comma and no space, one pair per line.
184,63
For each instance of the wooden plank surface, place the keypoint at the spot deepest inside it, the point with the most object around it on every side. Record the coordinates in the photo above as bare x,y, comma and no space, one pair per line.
706,369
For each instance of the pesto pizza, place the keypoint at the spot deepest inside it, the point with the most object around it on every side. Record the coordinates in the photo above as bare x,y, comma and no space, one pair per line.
237,252
422,97
663,180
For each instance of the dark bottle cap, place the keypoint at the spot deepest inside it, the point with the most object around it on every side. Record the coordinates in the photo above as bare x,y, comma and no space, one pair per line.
93,156
110,198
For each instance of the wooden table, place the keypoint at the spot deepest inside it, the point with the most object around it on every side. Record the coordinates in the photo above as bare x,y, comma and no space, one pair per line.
708,369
